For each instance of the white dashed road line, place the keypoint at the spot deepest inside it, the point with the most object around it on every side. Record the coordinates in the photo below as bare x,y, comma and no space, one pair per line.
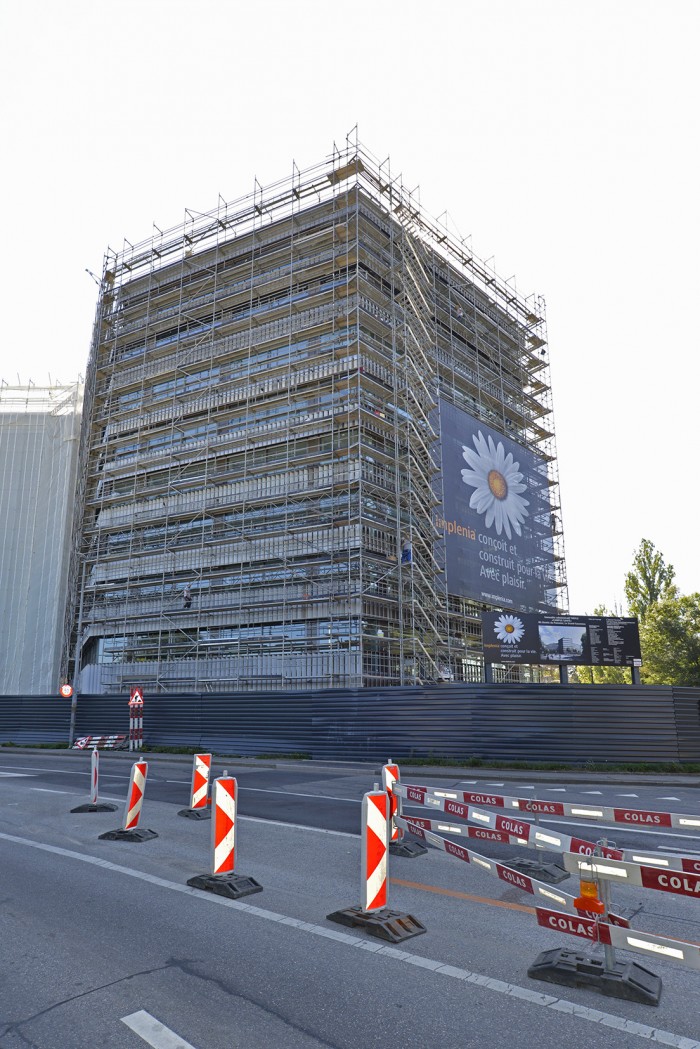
154,1032
524,994
47,790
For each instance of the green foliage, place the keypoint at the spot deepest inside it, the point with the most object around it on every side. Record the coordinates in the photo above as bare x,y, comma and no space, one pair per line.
670,636
649,580
600,675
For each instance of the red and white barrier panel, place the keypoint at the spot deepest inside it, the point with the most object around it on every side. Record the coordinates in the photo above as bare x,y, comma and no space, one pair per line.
532,837
498,870
101,742
600,813
223,825
390,776
137,787
626,939
518,831
375,848
684,882
201,768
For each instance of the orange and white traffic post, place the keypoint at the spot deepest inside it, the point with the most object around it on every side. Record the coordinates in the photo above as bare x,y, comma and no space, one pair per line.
94,775
199,793
399,844
223,826
131,831
375,851
390,776
373,915
222,880
93,805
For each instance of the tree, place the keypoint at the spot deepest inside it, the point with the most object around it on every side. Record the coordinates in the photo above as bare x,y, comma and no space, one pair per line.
649,580
670,636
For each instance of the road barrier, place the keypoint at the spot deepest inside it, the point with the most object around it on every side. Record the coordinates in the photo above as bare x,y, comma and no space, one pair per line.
373,914
498,870
223,880
132,811
94,805
115,742
596,813
529,835
598,865
199,793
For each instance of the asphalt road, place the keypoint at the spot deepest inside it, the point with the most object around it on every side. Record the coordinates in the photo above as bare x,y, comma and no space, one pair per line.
103,943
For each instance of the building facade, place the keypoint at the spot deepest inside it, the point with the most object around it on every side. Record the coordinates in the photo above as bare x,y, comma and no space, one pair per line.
261,481
39,435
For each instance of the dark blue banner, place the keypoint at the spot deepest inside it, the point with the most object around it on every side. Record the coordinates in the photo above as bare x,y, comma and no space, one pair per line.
495,516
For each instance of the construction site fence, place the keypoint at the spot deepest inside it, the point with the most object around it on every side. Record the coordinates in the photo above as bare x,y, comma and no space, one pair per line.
569,723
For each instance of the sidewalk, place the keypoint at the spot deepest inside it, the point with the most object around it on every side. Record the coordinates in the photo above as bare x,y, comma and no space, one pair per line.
409,772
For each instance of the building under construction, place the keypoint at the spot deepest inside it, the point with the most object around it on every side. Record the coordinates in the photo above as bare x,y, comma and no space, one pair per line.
260,473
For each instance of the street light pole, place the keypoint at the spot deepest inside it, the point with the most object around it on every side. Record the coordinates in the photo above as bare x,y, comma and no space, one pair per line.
76,662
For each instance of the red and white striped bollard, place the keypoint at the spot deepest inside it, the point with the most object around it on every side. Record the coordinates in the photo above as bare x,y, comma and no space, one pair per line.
132,810
373,915
375,849
222,880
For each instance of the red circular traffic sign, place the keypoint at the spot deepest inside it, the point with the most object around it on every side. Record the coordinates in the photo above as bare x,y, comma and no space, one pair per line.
66,691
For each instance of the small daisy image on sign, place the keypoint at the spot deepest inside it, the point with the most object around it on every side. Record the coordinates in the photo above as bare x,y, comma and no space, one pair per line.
509,629
497,483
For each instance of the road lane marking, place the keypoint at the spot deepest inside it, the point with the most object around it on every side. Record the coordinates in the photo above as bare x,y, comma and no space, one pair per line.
463,895
525,994
154,1032
291,794
299,826
47,790
16,775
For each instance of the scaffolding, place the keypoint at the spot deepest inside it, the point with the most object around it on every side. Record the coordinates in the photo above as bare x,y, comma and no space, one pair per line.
258,470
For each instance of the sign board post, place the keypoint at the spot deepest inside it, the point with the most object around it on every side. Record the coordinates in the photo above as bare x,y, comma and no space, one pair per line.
136,719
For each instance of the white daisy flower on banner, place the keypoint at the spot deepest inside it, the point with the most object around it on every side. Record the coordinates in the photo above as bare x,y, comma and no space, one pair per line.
497,483
509,628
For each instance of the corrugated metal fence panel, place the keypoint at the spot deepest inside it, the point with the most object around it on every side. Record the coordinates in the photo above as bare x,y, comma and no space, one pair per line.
571,723
687,708
244,723
34,719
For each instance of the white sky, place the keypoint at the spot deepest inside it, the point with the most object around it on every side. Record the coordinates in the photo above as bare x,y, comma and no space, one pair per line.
562,136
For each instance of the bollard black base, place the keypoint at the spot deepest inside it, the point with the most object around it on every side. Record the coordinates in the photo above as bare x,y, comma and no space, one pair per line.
551,873
626,980
95,806
408,848
385,924
195,814
232,885
128,835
